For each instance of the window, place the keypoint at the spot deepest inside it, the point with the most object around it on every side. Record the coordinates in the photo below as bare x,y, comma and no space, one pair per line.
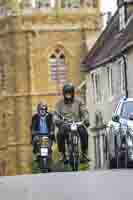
96,87
83,94
57,66
124,111
122,76
127,110
110,81
93,86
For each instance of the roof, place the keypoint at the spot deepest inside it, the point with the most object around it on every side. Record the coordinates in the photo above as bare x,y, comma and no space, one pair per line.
110,44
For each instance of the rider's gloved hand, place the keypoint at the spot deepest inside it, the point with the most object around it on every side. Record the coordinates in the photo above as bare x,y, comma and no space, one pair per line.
58,122
87,123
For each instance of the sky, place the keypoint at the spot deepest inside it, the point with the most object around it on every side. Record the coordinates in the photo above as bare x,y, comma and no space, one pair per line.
108,5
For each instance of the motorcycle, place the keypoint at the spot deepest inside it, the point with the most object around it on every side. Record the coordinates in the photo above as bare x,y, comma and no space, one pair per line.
73,141
43,152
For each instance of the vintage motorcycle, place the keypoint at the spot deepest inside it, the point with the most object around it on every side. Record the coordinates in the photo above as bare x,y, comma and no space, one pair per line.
43,152
73,141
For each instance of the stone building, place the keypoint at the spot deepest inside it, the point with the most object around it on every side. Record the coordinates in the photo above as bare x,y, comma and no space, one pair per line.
42,44
109,65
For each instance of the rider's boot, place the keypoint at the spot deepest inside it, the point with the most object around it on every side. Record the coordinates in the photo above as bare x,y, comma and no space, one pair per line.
84,157
61,157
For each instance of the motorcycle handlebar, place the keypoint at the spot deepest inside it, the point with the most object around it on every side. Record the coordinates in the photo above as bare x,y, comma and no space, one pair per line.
75,122
68,120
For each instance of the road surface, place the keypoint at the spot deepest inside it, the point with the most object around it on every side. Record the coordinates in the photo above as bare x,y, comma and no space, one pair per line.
93,185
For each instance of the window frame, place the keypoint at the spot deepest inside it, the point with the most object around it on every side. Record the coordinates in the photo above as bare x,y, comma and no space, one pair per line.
96,87
59,66
111,89
126,104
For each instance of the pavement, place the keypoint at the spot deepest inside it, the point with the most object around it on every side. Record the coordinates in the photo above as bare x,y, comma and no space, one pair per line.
92,185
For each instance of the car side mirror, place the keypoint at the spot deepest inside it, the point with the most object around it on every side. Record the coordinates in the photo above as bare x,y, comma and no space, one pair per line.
115,118
131,117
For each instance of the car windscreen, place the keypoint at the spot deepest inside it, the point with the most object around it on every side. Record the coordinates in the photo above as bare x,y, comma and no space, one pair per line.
127,109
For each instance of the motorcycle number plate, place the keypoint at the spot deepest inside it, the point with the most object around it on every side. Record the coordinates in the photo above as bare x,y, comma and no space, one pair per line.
44,151
74,127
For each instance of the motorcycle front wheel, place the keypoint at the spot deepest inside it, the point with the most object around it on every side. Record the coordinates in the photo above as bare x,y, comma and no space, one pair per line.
44,165
74,162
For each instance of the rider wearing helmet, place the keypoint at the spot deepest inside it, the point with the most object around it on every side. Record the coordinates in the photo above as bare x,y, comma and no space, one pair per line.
42,123
71,108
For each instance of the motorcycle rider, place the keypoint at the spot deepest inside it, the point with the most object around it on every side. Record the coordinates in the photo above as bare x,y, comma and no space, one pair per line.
42,123
71,108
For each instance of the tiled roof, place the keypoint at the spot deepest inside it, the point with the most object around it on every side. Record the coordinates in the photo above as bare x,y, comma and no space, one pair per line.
110,44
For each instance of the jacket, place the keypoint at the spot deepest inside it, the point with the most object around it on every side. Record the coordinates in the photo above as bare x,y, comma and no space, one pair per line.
35,125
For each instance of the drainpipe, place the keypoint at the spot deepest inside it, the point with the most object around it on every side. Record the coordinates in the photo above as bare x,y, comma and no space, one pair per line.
125,75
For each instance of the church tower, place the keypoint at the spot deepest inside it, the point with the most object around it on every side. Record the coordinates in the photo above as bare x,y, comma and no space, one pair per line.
44,43
62,32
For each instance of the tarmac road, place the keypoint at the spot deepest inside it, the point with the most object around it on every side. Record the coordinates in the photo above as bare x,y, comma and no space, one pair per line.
92,185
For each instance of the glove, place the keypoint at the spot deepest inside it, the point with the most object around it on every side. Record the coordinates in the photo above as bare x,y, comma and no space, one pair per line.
87,123
58,123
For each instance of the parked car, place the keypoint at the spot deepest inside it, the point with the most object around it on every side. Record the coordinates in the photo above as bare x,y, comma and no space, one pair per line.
120,135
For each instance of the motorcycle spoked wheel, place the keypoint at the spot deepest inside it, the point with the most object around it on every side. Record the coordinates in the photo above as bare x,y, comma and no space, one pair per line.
74,163
74,159
44,165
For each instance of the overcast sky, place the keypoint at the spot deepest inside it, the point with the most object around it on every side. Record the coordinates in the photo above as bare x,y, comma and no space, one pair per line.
108,5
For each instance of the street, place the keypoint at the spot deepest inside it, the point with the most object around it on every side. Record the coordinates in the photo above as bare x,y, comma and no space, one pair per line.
93,185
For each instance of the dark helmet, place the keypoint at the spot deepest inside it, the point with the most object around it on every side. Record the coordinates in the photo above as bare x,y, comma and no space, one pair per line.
68,88
42,107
